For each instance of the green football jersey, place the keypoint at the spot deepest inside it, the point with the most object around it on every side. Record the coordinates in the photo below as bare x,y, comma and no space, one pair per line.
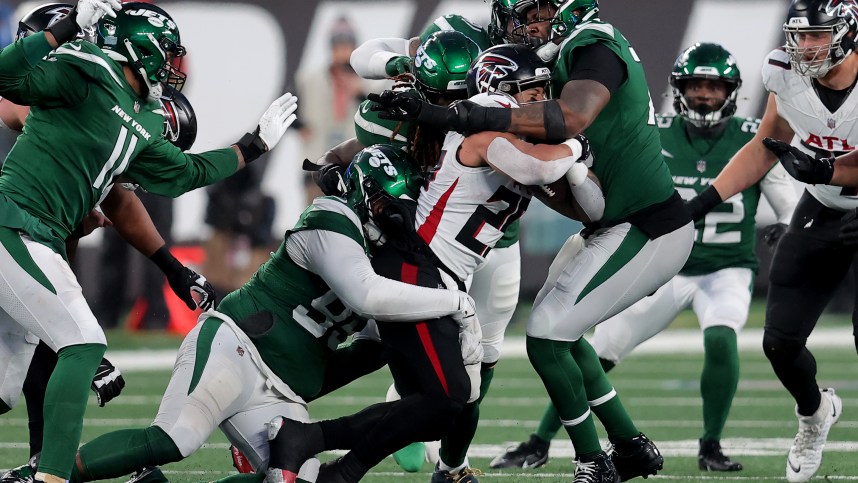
86,126
371,129
458,23
309,320
726,236
624,137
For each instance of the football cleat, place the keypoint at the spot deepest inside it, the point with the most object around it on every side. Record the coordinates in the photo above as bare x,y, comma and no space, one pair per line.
532,453
287,442
710,458
411,457
805,455
465,475
636,457
25,473
149,474
598,469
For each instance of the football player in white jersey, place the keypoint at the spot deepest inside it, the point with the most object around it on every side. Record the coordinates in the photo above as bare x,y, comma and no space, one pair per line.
812,106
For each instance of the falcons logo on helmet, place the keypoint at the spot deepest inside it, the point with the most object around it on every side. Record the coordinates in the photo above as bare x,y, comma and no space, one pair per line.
493,67
57,14
842,8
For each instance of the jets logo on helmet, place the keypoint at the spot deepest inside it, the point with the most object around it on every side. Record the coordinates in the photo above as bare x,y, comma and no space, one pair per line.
492,67
421,59
378,159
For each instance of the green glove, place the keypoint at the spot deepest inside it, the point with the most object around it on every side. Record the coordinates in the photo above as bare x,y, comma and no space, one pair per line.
398,65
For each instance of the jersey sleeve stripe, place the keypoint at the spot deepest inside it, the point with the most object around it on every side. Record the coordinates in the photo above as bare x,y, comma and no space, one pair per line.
782,65
64,50
377,129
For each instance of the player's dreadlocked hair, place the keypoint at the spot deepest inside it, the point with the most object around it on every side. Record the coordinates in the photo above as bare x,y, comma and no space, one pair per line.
426,141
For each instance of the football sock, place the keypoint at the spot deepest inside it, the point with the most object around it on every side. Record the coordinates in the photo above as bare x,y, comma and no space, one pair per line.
565,385
35,385
122,452
719,379
549,424
601,396
454,446
65,405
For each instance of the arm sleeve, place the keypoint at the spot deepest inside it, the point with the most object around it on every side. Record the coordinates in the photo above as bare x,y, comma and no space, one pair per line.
26,80
163,169
777,187
370,59
524,168
345,267
590,198
598,63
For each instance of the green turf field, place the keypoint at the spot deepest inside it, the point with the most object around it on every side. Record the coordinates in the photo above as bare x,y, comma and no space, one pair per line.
661,392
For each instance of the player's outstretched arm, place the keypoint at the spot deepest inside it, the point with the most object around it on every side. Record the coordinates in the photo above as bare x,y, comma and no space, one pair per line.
384,57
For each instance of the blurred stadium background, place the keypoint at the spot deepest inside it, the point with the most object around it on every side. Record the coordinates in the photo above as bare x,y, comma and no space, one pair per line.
243,54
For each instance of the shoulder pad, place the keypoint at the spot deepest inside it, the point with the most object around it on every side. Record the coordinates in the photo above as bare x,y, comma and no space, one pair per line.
89,59
776,67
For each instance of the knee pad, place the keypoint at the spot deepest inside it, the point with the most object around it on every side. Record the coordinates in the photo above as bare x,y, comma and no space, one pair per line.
779,349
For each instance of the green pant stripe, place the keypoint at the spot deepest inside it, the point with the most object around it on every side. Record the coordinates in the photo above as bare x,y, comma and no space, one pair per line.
12,242
631,245
204,348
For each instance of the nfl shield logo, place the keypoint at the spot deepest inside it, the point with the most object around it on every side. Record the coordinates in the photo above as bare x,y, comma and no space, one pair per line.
136,107
701,166
830,123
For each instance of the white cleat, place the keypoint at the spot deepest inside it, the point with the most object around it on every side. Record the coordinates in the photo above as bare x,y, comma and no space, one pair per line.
805,455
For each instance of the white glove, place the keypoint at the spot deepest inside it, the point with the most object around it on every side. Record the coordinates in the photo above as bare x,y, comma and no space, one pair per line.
89,12
277,119
577,174
548,51
470,332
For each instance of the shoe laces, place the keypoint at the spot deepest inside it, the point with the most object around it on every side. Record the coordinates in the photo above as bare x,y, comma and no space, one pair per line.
464,473
586,471
807,434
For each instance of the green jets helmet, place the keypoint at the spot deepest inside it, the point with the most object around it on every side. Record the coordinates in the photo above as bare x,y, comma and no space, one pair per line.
705,61
441,64
460,24
509,19
379,178
145,37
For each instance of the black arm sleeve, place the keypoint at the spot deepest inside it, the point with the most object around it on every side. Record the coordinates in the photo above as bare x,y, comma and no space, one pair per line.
598,63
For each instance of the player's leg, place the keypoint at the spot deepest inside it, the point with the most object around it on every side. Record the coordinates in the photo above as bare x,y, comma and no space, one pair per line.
38,375
721,305
616,267
39,290
211,381
809,263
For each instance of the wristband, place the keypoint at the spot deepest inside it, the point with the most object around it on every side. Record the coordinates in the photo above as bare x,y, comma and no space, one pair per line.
251,146
166,261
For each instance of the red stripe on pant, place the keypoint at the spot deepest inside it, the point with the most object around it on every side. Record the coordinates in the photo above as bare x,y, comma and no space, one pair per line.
409,275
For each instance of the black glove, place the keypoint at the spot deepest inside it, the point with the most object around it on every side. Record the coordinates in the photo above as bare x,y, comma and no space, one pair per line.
799,165
469,117
703,203
396,105
107,383
585,146
330,179
184,281
773,233
849,228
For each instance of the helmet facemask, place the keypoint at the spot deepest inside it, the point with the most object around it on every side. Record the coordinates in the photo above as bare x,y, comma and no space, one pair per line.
816,61
704,116
563,17
705,61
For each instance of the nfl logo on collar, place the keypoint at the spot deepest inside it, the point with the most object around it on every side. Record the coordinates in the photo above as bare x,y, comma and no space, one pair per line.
701,166
136,107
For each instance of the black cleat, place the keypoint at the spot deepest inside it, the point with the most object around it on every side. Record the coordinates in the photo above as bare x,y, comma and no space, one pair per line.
533,453
290,444
149,474
636,457
465,475
598,469
710,458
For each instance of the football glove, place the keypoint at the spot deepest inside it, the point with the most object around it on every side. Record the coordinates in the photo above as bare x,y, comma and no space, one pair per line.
183,281
773,233
849,228
330,179
396,105
799,165
107,383
580,146
401,64
470,332
271,128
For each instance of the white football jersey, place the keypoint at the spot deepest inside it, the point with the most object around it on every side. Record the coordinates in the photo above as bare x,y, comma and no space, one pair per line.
816,128
463,211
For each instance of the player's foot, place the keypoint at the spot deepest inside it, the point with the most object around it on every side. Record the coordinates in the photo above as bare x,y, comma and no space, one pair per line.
597,469
532,453
805,455
710,458
149,474
290,444
25,473
636,457
411,457
465,475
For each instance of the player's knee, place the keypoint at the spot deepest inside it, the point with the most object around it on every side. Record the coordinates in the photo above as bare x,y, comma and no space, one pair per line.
442,414
719,343
779,349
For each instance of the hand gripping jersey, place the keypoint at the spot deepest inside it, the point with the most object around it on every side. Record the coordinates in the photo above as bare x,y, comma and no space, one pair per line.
87,126
818,131
726,236
463,211
292,316
624,137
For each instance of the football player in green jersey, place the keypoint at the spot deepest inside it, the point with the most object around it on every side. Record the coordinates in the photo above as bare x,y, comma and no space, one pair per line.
602,93
717,278
274,344
94,116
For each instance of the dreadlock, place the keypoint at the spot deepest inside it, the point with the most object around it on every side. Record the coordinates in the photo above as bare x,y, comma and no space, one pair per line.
426,140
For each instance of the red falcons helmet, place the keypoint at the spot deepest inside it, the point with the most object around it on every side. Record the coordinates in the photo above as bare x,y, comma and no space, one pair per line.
180,121
44,16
